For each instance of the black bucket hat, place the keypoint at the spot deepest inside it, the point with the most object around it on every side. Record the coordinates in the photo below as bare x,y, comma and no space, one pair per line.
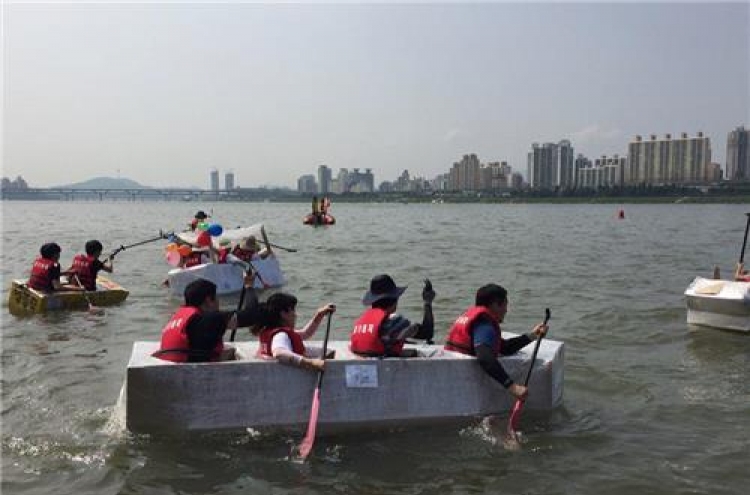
201,215
382,287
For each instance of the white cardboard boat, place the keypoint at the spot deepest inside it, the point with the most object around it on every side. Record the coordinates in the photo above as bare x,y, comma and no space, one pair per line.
719,303
437,386
227,277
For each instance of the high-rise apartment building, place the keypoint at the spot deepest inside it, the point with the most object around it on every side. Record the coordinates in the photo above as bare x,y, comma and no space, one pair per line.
582,162
466,174
496,176
738,154
214,179
669,160
306,184
324,179
229,180
552,165
604,172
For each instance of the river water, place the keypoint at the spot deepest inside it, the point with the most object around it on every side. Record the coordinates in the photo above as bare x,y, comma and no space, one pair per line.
650,405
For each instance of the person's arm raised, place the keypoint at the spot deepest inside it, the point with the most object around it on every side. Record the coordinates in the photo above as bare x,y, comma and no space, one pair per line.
427,328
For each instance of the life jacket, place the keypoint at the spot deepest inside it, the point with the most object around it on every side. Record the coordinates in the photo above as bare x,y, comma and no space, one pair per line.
175,345
365,338
222,255
195,258
83,266
266,338
41,278
243,254
460,338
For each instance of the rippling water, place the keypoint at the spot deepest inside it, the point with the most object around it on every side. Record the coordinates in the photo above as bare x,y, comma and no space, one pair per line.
651,406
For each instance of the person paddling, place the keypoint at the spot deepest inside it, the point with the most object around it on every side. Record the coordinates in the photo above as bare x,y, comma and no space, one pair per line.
477,333
278,337
87,266
195,333
379,331
249,250
45,273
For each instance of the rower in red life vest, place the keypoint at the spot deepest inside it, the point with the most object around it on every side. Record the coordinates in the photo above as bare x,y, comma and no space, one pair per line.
379,332
45,273
477,333
250,250
278,337
195,333
86,267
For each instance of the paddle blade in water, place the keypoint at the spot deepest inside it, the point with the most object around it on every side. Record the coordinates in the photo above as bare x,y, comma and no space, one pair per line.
515,417
307,443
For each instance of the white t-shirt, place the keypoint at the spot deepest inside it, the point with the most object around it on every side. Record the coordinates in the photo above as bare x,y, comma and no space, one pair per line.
281,340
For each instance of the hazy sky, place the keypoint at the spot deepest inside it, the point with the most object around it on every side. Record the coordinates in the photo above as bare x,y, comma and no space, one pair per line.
163,93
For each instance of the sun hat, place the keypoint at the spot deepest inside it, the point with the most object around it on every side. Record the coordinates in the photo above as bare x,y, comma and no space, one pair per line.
382,287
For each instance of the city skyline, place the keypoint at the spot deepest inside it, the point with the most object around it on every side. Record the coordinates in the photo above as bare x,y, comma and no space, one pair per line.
385,87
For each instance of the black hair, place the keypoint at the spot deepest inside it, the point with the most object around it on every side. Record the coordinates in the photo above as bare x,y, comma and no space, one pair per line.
487,294
270,311
386,302
49,250
94,247
198,291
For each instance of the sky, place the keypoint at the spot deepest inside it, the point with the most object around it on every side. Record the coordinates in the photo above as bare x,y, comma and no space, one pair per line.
163,93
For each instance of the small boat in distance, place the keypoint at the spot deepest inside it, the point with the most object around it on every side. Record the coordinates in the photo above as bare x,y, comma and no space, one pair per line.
25,301
315,220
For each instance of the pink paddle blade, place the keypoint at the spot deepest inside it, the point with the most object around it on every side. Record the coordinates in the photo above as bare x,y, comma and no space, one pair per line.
307,443
515,417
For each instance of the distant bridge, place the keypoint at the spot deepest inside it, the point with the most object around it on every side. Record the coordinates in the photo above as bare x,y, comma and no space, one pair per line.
150,194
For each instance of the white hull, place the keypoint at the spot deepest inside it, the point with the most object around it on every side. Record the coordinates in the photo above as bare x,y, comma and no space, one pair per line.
719,304
163,397
227,277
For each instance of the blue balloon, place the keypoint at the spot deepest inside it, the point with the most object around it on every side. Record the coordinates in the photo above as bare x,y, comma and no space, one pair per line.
215,230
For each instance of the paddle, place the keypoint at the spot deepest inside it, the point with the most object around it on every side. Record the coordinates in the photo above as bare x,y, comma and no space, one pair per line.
92,309
290,250
162,235
515,416
307,443
744,241
239,308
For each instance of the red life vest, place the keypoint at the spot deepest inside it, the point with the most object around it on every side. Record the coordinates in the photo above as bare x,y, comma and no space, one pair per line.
175,346
365,337
195,258
243,254
266,337
41,278
223,252
83,266
460,338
